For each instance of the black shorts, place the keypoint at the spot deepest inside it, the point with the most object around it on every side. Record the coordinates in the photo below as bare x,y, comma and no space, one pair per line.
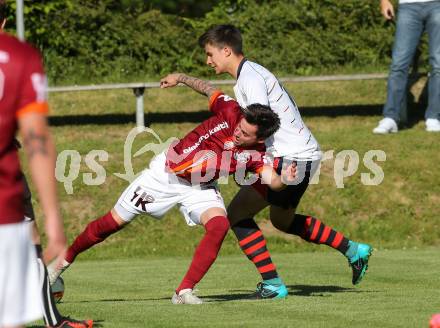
291,195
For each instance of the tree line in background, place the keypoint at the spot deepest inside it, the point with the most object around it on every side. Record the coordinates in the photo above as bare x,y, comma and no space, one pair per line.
109,40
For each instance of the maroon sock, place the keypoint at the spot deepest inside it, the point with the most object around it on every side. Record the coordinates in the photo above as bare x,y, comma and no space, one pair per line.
95,232
206,252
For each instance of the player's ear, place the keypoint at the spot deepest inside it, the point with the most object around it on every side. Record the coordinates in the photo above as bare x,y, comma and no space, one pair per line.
227,51
260,141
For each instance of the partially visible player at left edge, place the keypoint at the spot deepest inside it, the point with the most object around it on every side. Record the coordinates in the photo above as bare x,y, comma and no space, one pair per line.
23,107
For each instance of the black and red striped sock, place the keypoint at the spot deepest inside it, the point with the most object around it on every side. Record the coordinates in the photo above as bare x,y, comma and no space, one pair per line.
315,231
253,244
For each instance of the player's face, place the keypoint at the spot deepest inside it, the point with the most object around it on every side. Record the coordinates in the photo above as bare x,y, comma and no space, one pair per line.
245,134
216,58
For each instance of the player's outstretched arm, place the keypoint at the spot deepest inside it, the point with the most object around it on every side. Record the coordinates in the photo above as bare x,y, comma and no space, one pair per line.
40,152
201,86
278,182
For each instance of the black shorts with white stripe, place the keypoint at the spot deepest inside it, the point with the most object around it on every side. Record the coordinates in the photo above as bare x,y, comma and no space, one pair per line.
290,196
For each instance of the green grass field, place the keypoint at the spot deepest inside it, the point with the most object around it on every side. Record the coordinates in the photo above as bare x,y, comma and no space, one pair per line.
399,290
128,280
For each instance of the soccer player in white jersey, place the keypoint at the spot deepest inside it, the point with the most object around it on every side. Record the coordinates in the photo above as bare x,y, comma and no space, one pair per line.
292,142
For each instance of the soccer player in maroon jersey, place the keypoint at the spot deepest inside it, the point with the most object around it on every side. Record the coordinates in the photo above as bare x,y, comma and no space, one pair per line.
23,107
23,101
52,317
230,141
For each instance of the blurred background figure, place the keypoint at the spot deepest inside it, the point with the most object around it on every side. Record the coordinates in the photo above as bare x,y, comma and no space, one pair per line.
23,106
414,16
435,321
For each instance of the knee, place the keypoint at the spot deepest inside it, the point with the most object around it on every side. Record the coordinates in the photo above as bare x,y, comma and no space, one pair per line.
223,225
300,225
282,218
282,226
218,226
234,215
400,62
399,67
435,70
434,62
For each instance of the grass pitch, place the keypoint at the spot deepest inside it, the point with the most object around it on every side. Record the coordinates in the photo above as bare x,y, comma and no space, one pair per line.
399,290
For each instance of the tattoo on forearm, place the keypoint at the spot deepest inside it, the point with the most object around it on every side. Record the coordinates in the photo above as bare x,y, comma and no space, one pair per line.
198,85
35,144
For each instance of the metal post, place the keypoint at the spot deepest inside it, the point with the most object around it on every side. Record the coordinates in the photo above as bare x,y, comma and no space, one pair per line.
20,20
139,93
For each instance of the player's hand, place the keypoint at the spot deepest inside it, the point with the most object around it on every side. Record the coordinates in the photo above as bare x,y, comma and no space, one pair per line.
387,9
288,173
56,241
171,80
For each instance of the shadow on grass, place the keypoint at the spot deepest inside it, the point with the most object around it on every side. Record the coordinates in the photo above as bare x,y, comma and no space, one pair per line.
237,295
96,323
294,290
310,290
206,299
200,115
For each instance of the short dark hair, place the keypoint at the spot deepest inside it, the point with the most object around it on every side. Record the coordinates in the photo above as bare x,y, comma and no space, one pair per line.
266,120
3,10
223,35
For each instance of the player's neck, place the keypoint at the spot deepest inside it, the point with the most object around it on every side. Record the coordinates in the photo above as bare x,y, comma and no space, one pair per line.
235,63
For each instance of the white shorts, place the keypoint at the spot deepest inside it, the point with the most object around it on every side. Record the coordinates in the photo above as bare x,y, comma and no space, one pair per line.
156,191
20,294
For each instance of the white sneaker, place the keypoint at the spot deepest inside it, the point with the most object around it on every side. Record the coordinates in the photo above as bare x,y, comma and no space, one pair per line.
432,125
186,296
386,125
54,270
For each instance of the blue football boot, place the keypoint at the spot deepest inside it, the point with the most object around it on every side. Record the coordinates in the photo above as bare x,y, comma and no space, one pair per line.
267,289
358,260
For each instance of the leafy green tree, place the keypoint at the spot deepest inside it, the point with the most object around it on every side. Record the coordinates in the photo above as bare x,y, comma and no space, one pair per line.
103,40
185,8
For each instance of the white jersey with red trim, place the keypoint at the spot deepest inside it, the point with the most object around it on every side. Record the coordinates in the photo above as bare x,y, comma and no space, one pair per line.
255,84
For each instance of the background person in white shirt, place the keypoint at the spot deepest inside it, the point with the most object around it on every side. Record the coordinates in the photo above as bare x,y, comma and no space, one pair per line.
292,142
413,17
